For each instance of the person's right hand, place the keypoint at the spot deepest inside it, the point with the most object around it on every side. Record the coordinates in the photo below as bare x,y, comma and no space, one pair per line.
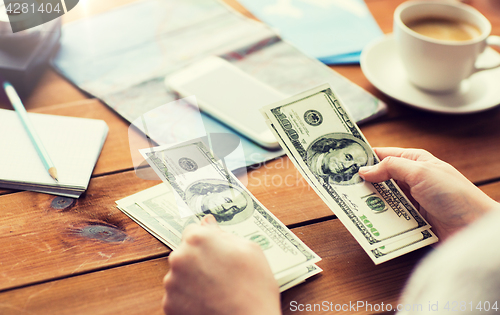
219,273
445,198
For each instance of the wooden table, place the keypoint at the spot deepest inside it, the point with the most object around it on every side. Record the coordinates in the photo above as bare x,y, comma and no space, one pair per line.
84,256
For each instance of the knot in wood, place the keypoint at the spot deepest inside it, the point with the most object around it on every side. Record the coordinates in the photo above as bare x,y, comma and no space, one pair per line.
62,203
103,233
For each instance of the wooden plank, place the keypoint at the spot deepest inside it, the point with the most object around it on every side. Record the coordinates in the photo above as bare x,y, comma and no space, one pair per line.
240,8
348,276
470,143
492,190
132,289
283,190
30,224
6,191
46,237
382,12
491,10
348,273
278,185
33,223
52,89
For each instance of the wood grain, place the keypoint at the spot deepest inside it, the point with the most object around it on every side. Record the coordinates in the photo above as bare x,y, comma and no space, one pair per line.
492,190
33,222
90,233
282,190
48,237
131,289
348,276
53,89
38,228
348,273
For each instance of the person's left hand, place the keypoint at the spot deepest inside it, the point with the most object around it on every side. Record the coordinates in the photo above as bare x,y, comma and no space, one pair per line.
215,272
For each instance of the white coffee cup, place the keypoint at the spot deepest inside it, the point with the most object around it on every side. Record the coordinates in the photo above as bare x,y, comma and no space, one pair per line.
438,65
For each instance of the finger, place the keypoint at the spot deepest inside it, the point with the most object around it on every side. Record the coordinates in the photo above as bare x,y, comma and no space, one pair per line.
166,278
391,167
198,234
407,191
411,154
384,152
190,228
209,220
164,303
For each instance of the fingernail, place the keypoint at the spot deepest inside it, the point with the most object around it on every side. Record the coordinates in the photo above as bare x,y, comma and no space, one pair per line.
209,219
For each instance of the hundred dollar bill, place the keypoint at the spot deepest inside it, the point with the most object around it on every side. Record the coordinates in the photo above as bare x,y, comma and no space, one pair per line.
155,210
328,148
162,219
200,181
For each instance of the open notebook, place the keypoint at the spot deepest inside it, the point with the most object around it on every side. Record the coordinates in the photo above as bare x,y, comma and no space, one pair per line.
74,144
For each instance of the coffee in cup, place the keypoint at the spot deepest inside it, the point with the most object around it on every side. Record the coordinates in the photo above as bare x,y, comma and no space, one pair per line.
440,41
444,29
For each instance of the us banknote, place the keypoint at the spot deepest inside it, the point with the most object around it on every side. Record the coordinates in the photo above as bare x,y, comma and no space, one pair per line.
155,210
197,184
328,149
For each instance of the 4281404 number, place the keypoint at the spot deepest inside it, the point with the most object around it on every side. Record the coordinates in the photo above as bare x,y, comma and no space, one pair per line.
16,8
462,306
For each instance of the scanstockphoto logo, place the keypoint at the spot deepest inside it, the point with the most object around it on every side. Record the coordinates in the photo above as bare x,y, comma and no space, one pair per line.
191,159
26,14
176,124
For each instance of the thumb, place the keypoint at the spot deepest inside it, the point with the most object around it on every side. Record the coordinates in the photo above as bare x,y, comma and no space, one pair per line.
209,220
391,167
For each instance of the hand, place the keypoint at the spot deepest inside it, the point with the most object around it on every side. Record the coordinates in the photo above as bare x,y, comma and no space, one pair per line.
444,197
215,272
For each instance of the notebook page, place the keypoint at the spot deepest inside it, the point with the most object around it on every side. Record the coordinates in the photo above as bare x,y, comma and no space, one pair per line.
73,144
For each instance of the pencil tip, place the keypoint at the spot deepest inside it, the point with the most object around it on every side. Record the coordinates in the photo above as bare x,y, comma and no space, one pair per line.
53,173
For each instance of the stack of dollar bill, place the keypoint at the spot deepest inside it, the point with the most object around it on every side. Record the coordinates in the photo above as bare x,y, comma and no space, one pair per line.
196,184
327,147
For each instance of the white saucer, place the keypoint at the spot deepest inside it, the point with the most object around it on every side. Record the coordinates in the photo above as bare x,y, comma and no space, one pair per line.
382,66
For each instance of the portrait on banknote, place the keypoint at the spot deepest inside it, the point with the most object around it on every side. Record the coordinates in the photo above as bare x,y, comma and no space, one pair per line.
337,157
227,202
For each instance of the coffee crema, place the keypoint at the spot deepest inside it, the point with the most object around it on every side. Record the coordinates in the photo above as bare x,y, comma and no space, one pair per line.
444,29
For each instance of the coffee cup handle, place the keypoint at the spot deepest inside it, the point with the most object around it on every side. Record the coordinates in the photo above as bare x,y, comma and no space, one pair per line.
492,40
